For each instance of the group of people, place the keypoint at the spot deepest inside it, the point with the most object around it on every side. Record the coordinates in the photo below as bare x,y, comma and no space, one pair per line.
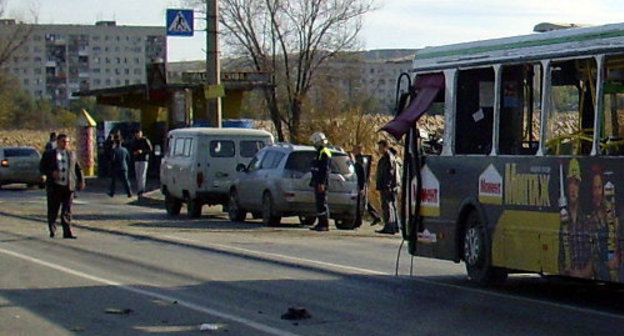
387,181
120,161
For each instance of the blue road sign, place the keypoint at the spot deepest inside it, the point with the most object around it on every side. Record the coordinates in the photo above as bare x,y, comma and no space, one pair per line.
179,22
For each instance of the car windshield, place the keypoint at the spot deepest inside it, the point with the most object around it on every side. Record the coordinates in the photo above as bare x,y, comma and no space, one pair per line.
21,152
300,162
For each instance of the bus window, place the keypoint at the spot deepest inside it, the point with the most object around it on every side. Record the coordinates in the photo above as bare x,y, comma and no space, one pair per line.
475,109
520,109
613,129
570,128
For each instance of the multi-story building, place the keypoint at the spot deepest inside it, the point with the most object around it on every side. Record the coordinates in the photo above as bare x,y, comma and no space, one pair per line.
58,60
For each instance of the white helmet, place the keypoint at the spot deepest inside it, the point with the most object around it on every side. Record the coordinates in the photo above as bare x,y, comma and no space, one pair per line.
318,138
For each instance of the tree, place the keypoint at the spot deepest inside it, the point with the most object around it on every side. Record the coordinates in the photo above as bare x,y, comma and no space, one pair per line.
14,35
290,39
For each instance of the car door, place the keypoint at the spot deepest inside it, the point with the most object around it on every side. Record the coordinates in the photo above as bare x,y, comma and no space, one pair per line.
247,181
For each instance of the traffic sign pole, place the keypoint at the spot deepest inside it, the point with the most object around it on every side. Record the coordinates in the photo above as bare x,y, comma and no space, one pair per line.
213,68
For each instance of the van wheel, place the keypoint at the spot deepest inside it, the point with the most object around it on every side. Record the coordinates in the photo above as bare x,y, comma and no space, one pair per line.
194,208
345,223
477,254
172,205
307,220
268,216
235,212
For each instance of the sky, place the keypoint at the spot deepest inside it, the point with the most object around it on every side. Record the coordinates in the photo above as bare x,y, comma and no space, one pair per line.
394,24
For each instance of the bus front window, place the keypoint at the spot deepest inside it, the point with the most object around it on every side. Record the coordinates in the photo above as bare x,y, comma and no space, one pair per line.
613,130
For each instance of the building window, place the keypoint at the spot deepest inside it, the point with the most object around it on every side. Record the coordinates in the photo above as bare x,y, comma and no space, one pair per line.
127,71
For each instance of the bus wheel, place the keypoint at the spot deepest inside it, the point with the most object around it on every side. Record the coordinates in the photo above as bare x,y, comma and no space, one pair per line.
477,254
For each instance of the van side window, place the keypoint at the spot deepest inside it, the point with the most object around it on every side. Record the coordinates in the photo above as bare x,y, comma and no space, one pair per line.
222,148
249,148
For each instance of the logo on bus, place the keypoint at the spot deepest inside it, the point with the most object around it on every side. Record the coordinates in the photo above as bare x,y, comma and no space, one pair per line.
429,194
491,186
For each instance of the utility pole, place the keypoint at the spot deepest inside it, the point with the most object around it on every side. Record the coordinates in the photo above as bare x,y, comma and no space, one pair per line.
213,66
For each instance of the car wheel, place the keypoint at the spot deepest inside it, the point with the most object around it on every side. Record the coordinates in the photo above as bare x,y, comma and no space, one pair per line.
346,223
307,220
235,212
194,208
477,256
268,216
172,205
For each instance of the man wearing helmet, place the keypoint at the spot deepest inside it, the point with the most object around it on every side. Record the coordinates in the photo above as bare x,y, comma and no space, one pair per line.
319,180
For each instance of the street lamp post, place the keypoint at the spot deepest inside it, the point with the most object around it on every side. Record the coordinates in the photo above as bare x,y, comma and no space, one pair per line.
213,67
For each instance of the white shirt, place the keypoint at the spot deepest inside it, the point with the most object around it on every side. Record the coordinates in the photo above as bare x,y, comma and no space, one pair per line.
62,159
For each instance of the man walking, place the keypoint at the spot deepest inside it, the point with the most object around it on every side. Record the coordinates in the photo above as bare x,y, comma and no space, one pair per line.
387,187
141,148
120,161
362,165
64,177
320,178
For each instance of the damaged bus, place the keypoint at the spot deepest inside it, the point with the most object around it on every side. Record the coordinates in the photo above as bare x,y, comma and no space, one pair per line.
523,167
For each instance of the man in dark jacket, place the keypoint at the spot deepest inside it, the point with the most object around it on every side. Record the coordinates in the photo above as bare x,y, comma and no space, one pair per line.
387,187
120,161
64,177
141,149
320,178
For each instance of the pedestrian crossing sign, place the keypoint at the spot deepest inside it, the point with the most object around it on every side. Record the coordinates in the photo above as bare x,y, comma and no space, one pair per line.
179,22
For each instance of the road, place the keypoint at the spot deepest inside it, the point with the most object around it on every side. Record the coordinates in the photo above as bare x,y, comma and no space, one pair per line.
135,271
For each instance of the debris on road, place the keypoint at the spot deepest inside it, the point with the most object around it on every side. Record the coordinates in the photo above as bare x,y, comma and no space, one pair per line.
119,311
296,313
212,326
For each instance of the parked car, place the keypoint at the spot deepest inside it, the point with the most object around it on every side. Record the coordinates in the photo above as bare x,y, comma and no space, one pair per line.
276,184
200,164
20,165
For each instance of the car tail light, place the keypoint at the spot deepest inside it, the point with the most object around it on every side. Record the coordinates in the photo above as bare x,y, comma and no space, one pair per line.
4,163
200,179
290,196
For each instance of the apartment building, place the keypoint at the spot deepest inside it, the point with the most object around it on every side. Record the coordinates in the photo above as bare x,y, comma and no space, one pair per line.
58,60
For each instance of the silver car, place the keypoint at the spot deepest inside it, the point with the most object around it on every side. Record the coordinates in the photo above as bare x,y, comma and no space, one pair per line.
20,165
276,184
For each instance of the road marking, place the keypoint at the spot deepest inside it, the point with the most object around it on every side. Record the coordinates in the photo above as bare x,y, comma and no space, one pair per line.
373,272
193,306
227,248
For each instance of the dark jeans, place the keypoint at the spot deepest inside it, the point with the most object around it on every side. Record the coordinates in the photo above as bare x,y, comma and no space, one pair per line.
364,204
389,211
322,210
59,197
123,176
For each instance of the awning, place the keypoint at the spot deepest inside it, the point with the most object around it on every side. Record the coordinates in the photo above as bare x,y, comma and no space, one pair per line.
427,87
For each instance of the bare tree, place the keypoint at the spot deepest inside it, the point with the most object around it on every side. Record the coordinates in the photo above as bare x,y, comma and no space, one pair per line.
14,34
290,39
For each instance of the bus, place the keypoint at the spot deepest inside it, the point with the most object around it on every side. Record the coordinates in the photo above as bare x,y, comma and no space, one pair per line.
522,167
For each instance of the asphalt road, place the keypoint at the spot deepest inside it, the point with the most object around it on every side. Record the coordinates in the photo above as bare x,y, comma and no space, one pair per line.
135,271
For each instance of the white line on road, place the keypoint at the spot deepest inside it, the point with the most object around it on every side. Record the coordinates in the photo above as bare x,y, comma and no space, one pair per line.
373,272
196,307
279,256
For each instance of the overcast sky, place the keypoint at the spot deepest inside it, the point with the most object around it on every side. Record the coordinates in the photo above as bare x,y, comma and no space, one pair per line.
396,24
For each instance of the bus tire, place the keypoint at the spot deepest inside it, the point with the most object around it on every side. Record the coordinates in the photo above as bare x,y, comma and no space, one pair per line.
477,253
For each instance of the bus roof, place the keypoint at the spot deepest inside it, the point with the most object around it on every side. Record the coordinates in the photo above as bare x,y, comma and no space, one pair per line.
537,46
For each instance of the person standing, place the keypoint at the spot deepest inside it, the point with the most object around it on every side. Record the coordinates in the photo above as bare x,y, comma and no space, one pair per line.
387,187
120,160
320,178
64,176
141,149
51,143
362,168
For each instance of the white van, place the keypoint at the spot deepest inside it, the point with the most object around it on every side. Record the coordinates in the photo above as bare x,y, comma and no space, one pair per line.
200,163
